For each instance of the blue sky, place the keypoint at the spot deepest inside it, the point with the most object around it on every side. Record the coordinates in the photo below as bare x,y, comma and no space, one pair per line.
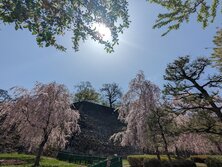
22,62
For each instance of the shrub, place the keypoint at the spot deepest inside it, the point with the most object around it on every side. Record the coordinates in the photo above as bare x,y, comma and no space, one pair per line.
184,163
138,160
213,162
135,161
152,163
179,163
199,158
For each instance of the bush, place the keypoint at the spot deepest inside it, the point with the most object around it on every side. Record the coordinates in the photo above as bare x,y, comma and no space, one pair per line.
213,162
138,160
179,163
152,163
135,161
199,158
184,163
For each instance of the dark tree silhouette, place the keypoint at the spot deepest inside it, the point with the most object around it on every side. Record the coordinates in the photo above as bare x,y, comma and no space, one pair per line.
189,90
111,92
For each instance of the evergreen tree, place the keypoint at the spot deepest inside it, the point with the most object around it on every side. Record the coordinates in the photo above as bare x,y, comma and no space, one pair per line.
188,88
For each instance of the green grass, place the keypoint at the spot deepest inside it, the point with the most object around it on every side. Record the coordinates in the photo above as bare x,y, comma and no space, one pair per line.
29,159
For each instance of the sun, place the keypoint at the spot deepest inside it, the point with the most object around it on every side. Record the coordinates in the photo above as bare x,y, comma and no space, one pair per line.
103,30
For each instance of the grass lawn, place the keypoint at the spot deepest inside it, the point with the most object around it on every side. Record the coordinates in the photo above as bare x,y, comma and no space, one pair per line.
29,161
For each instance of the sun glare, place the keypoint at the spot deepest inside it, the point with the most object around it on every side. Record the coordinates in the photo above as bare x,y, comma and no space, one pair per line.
103,30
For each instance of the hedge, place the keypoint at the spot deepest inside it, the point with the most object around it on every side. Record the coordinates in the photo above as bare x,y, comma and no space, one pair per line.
152,161
138,160
214,162
199,158
179,163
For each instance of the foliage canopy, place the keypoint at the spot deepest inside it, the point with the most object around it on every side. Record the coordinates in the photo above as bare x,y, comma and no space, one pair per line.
217,54
48,19
85,91
180,11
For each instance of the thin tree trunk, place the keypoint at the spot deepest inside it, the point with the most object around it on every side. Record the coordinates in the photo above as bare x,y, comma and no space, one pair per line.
166,146
156,147
165,141
40,150
177,152
218,146
157,152
110,103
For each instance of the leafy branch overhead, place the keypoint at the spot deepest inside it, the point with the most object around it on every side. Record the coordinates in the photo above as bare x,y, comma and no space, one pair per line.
217,54
180,11
48,20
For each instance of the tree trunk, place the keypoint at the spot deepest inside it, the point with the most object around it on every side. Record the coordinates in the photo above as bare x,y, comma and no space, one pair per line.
157,152
177,152
156,147
40,150
165,142
166,146
110,103
218,146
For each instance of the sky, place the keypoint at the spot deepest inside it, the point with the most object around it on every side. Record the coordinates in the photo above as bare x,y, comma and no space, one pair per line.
23,63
